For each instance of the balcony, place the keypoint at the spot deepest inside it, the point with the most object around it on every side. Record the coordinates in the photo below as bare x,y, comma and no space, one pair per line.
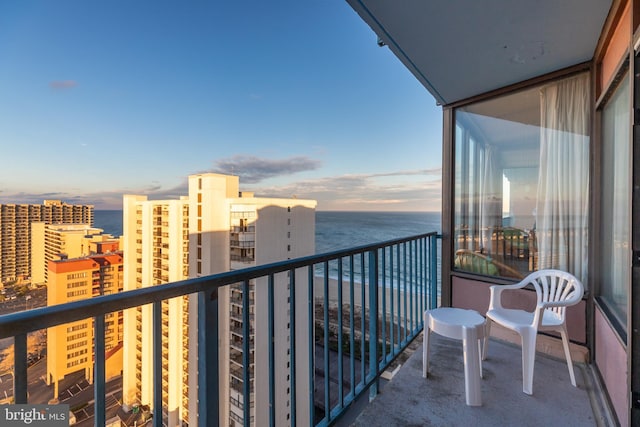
243,229
409,399
366,311
242,244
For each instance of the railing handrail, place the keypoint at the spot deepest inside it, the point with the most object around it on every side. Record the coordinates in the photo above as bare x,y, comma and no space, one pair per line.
23,322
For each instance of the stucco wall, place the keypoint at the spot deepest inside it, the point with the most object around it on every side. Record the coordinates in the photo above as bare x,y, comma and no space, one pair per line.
611,360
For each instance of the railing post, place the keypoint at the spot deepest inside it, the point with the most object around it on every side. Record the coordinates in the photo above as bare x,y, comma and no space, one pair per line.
99,388
272,365
433,272
157,364
246,349
20,369
373,322
292,345
312,344
325,347
208,377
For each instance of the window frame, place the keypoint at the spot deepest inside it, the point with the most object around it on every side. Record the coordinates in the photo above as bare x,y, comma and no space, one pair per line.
619,325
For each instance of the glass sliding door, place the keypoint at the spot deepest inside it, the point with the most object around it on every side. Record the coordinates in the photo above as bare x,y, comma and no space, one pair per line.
615,208
522,181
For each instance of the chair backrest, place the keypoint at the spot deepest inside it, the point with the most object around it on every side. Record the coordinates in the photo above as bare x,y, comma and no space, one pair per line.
556,286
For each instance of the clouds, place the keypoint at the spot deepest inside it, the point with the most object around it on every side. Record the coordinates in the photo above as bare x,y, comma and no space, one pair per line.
101,199
252,169
63,84
411,190
404,190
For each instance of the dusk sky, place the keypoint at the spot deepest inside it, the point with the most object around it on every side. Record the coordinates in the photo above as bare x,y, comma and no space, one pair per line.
101,99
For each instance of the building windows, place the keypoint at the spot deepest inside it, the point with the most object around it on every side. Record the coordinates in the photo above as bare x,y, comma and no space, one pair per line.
76,362
77,327
518,206
77,293
76,345
77,353
76,284
76,336
615,202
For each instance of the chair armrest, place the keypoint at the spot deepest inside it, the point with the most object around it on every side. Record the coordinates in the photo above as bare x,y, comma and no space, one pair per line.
496,291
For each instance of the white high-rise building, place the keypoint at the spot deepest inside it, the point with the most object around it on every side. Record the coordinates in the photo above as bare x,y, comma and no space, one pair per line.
215,229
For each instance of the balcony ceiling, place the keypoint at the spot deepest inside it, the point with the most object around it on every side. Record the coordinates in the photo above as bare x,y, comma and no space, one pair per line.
458,49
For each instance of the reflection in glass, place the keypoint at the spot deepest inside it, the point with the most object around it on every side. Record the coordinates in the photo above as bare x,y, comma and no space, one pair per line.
615,201
522,179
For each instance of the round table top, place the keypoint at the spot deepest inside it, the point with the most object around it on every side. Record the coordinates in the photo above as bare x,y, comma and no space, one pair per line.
456,316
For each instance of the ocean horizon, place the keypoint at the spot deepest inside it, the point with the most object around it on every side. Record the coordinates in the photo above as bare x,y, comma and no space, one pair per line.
334,229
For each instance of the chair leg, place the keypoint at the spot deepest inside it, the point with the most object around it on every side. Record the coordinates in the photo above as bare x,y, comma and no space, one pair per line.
528,359
480,357
567,353
487,333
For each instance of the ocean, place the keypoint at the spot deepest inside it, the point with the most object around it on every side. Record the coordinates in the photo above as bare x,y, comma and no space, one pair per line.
334,230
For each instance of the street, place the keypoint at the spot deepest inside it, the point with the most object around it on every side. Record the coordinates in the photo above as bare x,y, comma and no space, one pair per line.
75,391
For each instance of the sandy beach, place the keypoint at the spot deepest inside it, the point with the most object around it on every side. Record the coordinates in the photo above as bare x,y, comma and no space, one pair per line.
357,289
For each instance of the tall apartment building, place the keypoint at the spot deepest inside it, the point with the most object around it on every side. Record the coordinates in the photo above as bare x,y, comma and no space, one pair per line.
156,241
59,241
15,231
214,229
70,345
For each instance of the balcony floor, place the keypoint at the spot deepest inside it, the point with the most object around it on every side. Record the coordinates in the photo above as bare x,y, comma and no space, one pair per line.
410,400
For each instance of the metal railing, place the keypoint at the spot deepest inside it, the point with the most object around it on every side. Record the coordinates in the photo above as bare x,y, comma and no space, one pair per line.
364,306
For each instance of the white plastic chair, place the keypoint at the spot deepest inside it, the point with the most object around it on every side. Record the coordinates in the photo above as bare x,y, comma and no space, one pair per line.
556,290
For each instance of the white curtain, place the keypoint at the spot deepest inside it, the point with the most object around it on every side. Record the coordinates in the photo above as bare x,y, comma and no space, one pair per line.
563,198
491,199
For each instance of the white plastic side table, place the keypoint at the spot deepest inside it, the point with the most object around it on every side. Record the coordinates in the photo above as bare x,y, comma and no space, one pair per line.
460,324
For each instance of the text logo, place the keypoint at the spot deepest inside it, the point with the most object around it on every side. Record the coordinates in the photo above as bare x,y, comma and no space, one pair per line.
34,415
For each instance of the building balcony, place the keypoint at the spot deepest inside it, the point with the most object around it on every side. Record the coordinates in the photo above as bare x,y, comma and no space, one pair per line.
242,244
243,259
238,330
240,317
378,292
243,229
409,399
237,300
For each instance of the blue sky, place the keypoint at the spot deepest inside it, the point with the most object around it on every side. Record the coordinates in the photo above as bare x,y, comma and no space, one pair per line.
101,99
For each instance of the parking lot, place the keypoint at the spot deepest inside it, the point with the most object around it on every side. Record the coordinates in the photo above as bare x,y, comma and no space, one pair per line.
14,302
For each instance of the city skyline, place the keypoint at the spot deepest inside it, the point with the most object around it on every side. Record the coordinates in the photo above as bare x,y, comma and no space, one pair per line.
103,100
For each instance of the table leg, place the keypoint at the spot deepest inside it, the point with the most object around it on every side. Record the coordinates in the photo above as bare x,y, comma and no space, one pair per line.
425,346
471,366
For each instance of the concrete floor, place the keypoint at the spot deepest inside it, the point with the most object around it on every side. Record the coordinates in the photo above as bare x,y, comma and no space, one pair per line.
410,400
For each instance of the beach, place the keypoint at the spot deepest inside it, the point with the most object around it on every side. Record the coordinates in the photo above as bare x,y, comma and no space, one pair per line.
318,290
